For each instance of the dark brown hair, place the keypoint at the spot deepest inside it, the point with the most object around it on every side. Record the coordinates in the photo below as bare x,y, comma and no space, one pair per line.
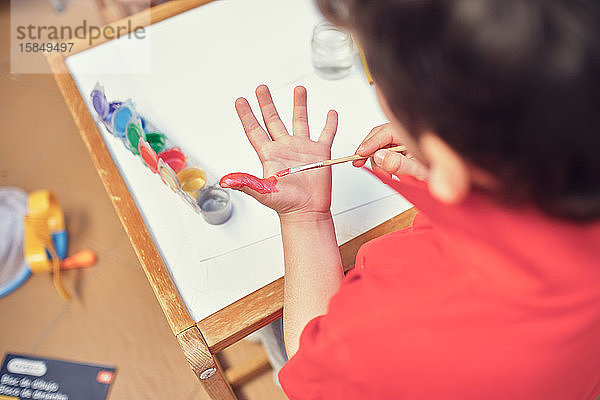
512,85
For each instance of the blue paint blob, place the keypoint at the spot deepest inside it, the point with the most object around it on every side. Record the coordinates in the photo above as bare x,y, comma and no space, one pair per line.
120,120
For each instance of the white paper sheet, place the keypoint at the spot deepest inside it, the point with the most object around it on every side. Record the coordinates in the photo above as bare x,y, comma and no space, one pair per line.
202,61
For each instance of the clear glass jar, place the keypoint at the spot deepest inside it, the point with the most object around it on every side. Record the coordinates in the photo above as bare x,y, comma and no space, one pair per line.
332,51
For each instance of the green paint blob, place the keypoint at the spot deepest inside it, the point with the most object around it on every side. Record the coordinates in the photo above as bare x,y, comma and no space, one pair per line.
156,140
134,133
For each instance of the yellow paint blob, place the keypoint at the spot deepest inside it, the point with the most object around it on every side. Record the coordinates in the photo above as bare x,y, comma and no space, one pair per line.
192,179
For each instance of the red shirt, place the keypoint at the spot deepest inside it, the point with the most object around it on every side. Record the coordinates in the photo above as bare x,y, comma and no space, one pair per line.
474,301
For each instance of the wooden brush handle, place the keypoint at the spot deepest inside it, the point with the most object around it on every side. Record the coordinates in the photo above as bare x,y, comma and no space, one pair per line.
357,157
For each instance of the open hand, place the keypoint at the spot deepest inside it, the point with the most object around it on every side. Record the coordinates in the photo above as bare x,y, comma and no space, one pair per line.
303,193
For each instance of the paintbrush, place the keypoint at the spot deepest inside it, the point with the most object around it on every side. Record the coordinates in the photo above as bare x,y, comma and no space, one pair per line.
326,163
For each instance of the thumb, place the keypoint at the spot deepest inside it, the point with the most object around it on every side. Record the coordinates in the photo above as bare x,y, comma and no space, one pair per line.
249,184
258,192
399,164
243,189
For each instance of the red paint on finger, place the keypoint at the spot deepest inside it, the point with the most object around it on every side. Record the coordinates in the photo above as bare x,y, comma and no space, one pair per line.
238,180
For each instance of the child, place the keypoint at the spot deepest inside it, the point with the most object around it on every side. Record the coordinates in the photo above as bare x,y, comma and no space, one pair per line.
494,292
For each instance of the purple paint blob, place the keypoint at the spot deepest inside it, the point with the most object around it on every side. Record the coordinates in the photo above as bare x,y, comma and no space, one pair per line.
100,103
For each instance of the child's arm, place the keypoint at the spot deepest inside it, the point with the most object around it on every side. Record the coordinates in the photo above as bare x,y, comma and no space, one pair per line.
313,267
313,272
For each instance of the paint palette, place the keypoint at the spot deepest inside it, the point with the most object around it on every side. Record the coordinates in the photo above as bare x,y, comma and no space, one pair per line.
178,171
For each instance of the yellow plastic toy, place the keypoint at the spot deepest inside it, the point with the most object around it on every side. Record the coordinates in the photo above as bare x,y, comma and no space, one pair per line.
45,245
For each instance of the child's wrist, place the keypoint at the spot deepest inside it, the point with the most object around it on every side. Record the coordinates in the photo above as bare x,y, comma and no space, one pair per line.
303,217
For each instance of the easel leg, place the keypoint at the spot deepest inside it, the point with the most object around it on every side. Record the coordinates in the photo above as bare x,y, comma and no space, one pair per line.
205,365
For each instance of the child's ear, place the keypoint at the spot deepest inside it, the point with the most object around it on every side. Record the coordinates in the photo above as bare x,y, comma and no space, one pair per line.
449,176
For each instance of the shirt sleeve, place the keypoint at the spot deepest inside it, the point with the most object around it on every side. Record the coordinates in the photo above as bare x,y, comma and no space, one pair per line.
319,369
303,376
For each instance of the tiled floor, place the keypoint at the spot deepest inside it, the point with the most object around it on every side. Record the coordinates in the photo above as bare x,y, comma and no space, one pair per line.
115,318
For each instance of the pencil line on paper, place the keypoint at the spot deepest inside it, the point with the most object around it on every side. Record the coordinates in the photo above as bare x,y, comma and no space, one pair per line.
278,235
366,204
239,248
295,80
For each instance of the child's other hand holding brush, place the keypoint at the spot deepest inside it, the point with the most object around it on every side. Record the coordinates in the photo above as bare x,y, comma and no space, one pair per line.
390,162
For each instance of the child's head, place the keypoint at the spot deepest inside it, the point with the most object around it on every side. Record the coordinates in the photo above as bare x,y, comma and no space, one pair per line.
511,86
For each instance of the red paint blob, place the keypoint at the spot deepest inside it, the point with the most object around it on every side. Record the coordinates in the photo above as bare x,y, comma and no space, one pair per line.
148,155
174,158
237,180
283,172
